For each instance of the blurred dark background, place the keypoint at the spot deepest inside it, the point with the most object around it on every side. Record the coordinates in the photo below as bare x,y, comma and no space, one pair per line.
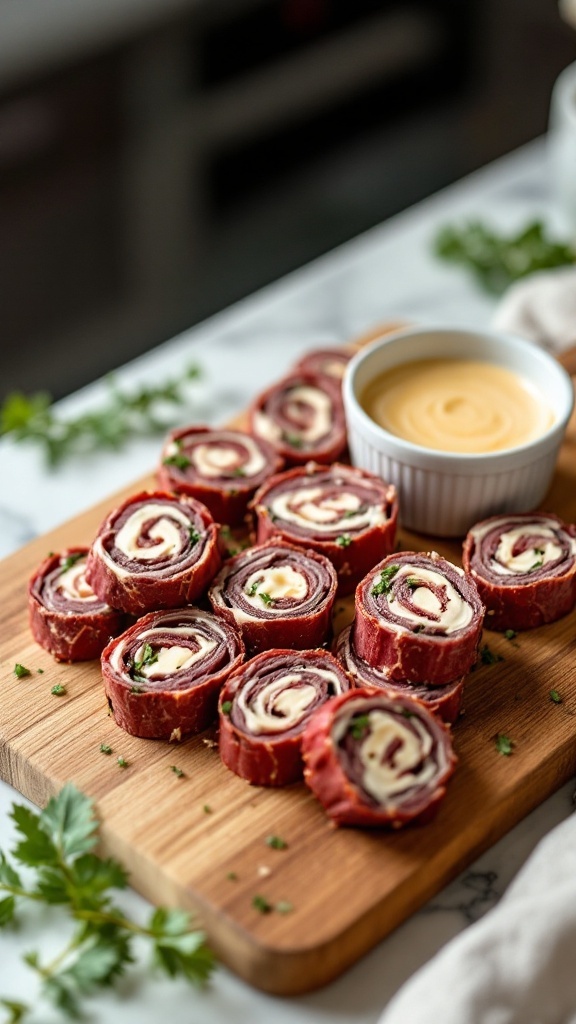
160,159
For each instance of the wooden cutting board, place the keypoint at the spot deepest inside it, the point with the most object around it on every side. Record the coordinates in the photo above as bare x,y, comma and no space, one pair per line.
181,837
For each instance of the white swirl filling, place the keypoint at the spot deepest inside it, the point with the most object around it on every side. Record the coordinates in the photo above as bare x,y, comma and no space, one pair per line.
506,563
427,608
321,405
212,460
409,766
168,538
306,506
282,703
167,658
264,587
74,585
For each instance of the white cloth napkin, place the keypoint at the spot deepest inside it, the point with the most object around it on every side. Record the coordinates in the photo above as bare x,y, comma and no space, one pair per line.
515,966
542,308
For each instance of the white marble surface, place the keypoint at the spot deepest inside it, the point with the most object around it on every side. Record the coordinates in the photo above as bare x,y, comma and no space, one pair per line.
387,274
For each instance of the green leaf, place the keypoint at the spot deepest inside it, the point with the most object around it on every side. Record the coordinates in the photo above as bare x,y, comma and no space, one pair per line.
504,745
17,1010
36,847
8,876
68,819
91,875
20,671
555,697
7,908
276,842
166,922
358,726
186,955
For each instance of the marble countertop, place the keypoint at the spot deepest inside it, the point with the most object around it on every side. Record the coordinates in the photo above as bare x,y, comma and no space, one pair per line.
387,274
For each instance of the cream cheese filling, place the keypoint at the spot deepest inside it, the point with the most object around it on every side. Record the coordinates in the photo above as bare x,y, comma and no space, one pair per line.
277,582
168,538
74,585
320,402
456,615
305,506
212,460
505,562
283,703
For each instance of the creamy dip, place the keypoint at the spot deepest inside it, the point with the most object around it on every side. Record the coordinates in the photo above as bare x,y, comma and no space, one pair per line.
457,405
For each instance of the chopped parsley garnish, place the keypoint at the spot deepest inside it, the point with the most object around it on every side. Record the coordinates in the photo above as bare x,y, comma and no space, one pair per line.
344,540
489,657
284,907
232,876
149,657
238,472
226,707
555,697
262,905
70,560
406,713
351,512
177,771
21,671
253,588
266,597
358,726
504,745
58,690
293,440
136,689
207,809
194,535
385,581
276,843
510,634
413,583
105,748
179,460
121,762
40,671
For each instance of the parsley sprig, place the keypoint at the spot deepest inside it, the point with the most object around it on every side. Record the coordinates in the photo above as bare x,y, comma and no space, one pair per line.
121,416
55,849
496,260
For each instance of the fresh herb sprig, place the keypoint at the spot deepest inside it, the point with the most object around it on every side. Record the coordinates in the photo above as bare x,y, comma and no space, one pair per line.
121,416
55,849
496,260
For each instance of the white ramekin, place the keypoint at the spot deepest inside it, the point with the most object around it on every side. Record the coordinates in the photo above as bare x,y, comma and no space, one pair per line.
444,493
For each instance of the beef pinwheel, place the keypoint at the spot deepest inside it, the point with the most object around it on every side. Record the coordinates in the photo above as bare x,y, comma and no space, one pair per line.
419,617
524,567
375,759
221,468
278,595
346,514
66,617
328,362
163,675
264,707
302,416
444,701
154,551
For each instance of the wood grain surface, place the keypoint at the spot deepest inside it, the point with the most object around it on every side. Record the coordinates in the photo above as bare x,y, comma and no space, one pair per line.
181,837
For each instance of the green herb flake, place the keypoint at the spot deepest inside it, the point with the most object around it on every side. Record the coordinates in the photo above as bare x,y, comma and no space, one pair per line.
555,697
136,689
536,565
293,440
413,583
262,905
179,460
504,745
194,535
358,726
276,843
489,657
40,671
58,690
510,634
238,472
20,671
70,560
284,907
105,748
226,707
149,657
122,762
266,597
232,876
385,582
177,771
344,540
207,809
253,588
